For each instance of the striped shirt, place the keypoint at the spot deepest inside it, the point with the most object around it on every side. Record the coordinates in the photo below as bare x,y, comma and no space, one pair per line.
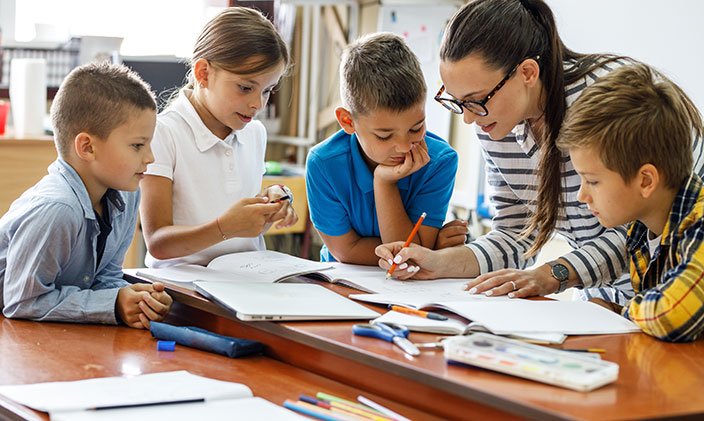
599,255
669,286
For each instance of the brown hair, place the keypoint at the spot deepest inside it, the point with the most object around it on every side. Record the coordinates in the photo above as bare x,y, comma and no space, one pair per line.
380,71
96,98
240,40
504,33
635,116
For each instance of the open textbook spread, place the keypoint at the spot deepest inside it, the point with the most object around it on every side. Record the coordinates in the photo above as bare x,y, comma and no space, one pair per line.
271,267
177,395
456,327
511,316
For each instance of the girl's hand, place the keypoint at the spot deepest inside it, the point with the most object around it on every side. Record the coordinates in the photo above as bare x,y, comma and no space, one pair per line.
248,217
287,215
454,233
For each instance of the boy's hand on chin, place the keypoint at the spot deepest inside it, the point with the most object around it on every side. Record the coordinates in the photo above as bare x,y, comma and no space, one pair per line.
415,159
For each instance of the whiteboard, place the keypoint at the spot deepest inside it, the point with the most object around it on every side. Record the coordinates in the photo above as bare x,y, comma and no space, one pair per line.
422,27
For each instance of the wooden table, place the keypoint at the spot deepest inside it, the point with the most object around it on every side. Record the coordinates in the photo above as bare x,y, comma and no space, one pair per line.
656,379
32,352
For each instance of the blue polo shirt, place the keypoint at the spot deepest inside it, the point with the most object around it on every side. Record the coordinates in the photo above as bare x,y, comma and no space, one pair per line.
340,187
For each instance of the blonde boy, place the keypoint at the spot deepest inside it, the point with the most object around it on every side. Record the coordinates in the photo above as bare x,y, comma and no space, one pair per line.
63,241
629,136
370,182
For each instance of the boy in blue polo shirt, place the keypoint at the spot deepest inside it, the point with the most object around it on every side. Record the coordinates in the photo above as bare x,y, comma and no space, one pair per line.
369,183
63,241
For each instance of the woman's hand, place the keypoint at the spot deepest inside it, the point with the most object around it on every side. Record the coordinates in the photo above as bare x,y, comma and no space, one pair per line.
414,261
515,283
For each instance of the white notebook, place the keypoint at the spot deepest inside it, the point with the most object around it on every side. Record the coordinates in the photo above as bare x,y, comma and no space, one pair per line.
517,316
78,400
258,301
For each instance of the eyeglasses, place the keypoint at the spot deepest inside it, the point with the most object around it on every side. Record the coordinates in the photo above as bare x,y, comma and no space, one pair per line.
476,107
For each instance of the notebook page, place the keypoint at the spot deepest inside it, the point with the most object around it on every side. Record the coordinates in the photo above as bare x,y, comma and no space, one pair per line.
111,391
245,409
419,299
372,279
519,316
265,266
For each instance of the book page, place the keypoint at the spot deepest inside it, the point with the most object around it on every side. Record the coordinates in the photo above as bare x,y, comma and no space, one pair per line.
422,298
112,391
372,279
265,266
516,316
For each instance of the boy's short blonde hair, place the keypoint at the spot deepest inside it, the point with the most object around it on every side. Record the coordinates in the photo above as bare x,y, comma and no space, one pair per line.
96,98
635,116
380,71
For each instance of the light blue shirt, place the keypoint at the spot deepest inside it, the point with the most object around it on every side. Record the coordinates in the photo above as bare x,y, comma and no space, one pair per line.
48,251
340,187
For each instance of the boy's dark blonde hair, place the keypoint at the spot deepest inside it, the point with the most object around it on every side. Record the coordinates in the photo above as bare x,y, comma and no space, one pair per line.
380,71
96,98
240,40
632,117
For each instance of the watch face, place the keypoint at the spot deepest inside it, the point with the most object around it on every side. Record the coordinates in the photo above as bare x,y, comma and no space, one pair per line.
560,272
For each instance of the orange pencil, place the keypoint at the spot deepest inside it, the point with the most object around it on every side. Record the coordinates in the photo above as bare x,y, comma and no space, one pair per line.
407,243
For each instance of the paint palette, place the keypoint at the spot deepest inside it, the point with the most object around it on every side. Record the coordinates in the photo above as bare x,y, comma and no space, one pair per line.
553,366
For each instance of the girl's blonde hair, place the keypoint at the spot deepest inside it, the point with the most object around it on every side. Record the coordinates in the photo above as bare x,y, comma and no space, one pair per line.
239,40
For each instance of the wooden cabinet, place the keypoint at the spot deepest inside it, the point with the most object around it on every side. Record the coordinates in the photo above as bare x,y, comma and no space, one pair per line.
23,162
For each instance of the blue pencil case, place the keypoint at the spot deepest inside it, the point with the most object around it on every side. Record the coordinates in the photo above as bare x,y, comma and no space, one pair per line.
196,337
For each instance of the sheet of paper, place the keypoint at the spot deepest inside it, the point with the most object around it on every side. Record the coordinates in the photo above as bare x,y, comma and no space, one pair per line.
110,391
521,316
245,409
418,299
372,279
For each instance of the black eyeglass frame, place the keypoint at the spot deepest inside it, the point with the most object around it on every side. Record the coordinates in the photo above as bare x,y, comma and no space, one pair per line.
462,105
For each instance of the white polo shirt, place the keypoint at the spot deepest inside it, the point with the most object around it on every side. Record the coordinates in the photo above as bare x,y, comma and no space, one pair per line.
209,175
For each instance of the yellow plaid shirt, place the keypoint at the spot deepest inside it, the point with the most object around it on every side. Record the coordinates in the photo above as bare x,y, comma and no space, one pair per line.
669,286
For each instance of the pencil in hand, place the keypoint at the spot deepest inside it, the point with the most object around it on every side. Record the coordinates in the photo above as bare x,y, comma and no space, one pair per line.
413,233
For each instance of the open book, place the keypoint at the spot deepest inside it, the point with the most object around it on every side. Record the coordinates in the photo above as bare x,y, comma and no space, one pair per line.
456,327
271,267
169,395
505,316
251,266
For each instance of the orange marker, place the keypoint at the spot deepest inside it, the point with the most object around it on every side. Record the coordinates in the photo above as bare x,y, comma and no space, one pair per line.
413,233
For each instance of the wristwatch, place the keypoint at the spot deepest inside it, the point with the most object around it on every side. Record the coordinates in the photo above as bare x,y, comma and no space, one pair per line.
561,273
